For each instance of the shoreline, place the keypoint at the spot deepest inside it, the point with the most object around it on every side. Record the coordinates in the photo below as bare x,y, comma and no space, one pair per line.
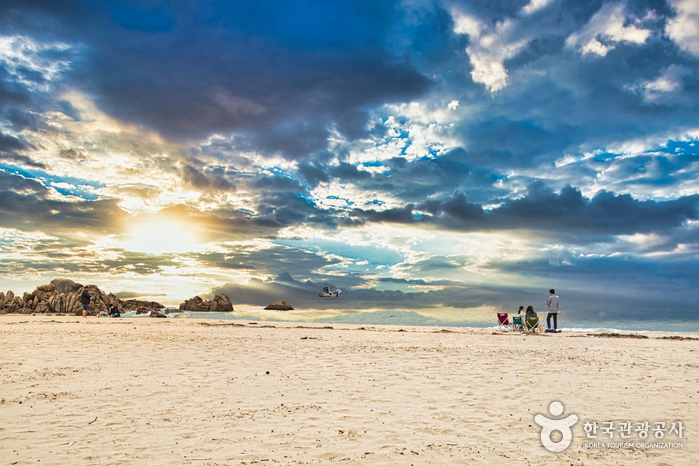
252,320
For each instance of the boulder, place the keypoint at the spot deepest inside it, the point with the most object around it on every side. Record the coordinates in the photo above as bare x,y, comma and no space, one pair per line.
44,292
136,305
155,313
222,303
65,285
219,303
42,307
279,306
191,304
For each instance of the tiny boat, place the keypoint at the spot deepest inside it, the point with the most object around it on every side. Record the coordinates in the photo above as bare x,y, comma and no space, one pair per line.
328,292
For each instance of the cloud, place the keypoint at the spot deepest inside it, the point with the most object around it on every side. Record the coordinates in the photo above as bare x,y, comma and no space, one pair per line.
28,205
607,28
548,213
668,88
230,68
535,5
684,28
212,180
489,48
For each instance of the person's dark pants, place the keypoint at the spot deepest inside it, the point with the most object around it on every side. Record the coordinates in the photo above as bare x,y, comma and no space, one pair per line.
555,320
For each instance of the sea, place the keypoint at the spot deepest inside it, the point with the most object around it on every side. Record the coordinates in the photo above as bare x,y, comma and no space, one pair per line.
432,318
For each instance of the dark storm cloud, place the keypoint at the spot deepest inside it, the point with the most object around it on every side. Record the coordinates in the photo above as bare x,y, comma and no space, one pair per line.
605,214
212,179
542,210
232,66
21,159
10,143
273,261
25,205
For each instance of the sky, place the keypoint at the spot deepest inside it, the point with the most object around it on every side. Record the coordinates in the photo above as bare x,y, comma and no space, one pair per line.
416,154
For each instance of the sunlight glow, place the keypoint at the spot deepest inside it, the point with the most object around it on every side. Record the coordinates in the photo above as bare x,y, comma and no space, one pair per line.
161,237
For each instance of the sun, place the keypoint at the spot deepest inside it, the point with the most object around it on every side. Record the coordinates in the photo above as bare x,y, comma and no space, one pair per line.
155,236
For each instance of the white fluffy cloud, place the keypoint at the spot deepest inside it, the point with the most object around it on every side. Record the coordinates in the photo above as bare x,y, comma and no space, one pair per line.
605,30
535,5
684,28
489,48
667,88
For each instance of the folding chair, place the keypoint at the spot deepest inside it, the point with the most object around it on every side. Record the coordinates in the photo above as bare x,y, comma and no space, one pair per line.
503,321
517,324
532,324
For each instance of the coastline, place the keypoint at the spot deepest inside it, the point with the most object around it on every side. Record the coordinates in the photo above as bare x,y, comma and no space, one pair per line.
196,391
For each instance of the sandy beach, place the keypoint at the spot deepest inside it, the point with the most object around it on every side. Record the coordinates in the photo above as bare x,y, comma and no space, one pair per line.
208,392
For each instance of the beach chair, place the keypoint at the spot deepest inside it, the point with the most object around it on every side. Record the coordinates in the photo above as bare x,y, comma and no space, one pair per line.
503,321
532,324
517,324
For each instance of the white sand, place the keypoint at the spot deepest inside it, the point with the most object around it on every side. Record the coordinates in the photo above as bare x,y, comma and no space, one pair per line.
185,391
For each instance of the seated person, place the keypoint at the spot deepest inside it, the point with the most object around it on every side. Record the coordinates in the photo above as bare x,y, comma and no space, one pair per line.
521,312
532,318
530,312
114,311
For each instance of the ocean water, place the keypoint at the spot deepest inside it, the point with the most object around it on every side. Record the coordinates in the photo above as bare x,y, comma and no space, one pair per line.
435,318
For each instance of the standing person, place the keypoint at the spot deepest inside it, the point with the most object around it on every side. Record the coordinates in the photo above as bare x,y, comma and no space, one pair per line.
553,302
85,300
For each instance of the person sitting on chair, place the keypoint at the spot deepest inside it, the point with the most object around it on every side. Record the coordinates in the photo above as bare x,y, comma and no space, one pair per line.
530,312
531,319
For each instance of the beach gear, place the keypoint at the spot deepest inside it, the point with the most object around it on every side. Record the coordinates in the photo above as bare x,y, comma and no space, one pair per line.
503,321
517,324
532,324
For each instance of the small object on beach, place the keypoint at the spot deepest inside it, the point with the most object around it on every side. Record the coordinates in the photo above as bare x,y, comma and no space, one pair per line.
267,372
279,306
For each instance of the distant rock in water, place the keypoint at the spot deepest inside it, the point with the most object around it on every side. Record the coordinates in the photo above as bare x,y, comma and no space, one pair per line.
219,303
155,313
279,306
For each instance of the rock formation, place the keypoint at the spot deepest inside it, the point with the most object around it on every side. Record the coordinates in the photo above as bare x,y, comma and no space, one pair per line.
279,306
141,307
220,303
62,295
65,285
